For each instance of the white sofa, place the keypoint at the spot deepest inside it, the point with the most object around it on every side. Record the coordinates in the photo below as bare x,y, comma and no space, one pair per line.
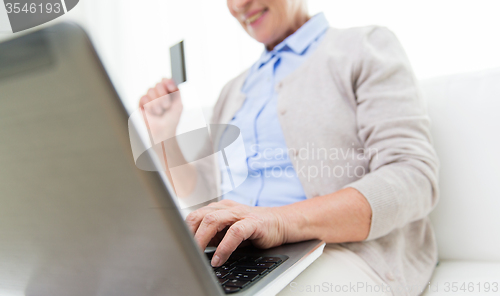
465,113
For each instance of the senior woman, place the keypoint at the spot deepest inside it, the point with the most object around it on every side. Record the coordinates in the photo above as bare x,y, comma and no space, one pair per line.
367,177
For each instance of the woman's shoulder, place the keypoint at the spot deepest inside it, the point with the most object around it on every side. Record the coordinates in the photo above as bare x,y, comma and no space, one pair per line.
349,48
351,38
358,32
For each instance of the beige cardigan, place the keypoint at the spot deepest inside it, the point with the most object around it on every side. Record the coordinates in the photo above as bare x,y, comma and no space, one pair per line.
357,97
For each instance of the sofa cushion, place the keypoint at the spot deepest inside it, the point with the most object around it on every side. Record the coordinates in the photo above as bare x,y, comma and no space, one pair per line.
465,114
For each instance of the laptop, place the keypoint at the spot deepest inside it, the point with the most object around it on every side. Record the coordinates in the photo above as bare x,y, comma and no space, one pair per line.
77,217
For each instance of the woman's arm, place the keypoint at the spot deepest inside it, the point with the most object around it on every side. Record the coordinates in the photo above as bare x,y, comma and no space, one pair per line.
161,108
392,119
343,216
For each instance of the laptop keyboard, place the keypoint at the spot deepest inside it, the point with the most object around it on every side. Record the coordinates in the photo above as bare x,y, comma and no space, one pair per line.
241,271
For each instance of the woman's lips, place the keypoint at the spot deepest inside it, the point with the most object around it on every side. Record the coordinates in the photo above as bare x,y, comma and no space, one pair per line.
254,19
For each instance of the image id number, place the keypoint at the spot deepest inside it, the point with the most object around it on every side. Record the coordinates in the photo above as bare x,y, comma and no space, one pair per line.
33,8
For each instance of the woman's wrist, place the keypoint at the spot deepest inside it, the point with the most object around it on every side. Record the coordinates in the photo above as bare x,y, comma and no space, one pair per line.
343,216
293,224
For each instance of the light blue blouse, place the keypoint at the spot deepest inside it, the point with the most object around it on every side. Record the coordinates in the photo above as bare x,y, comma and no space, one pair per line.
272,180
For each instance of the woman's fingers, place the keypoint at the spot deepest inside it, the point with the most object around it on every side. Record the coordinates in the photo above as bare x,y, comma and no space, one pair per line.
173,91
144,100
194,218
152,94
157,99
225,217
160,89
215,241
235,235
154,105
164,98
213,223
170,85
146,107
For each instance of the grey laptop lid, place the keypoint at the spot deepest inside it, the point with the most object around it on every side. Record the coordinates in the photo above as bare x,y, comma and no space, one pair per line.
76,216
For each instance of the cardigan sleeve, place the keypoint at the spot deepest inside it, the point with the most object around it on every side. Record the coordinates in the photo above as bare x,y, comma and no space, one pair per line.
401,185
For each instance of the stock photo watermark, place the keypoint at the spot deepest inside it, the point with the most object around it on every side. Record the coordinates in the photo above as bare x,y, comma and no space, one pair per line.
472,288
328,162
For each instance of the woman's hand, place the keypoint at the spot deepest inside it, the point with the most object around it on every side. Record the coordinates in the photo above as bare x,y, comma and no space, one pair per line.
162,107
264,227
339,217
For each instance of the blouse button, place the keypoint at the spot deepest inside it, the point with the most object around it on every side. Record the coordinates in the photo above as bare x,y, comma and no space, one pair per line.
283,111
389,276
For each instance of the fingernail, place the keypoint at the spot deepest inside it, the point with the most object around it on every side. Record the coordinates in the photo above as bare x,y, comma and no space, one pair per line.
215,261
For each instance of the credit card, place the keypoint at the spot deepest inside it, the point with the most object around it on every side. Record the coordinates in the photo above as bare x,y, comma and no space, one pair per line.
178,63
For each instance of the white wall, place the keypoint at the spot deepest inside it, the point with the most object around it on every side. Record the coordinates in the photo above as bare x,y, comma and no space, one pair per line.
440,36
132,37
